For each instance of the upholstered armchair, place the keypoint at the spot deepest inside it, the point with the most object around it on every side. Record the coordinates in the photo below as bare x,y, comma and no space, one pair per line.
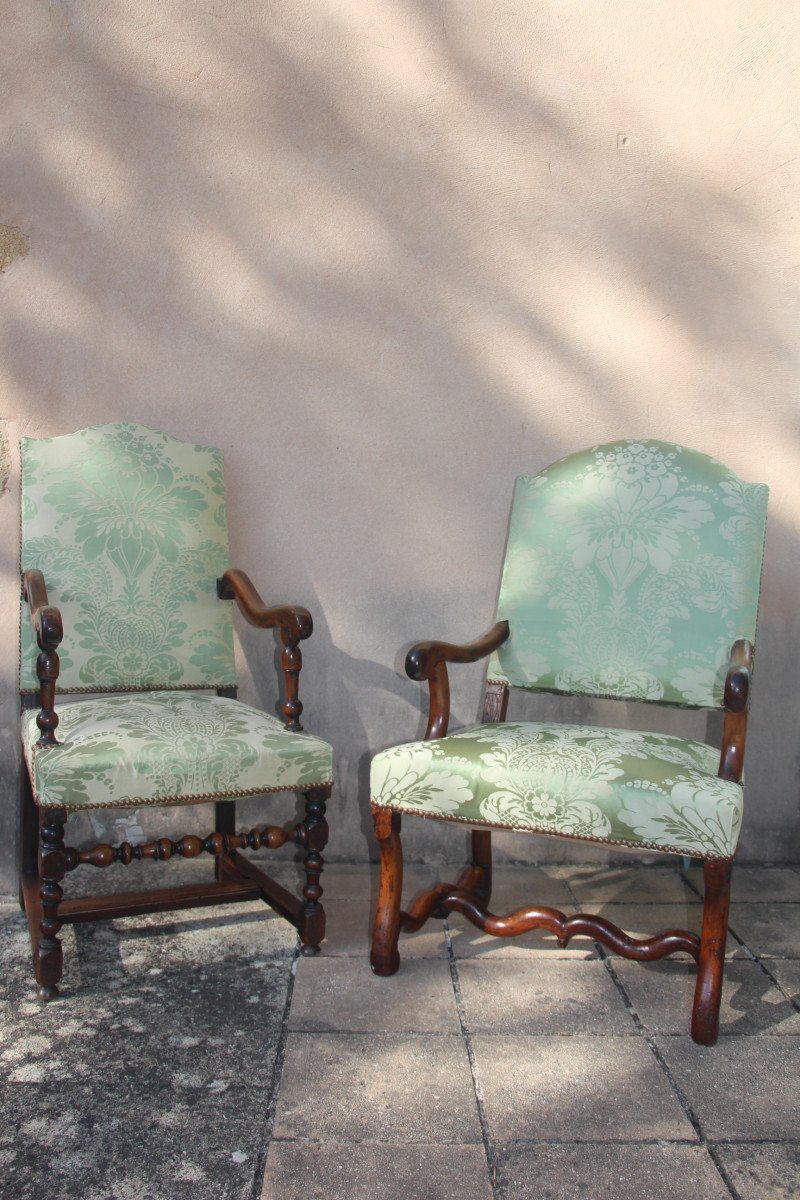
126,587
632,572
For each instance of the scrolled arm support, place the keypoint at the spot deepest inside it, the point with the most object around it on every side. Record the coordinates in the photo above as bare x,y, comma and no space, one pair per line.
295,625
735,701
49,630
428,661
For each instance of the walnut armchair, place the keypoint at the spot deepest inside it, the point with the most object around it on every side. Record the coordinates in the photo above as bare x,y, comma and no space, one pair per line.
125,579
632,572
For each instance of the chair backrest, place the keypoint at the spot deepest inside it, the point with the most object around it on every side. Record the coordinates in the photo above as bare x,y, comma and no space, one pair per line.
631,569
128,527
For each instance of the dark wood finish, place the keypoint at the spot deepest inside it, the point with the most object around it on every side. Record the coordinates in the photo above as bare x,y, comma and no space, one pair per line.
188,846
428,661
384,957
711,963
471,892
294,623
735,701
313,834
48,957
47,625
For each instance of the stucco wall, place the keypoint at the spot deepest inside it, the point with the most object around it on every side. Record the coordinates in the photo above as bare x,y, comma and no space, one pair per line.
389,256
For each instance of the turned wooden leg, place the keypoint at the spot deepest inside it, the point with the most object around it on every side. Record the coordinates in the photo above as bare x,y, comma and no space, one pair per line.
29,833
312,918
482,861
48,956
385,958
711,963
224,822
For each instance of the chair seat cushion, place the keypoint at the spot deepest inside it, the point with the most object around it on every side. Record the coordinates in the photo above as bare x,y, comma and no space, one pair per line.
613,786
168,748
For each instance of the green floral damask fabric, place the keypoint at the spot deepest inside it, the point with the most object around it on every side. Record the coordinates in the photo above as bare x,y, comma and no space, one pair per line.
649,791
128,527
631,569
168,748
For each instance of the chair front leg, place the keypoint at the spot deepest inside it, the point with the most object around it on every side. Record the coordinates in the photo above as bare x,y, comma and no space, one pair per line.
711,963
385,958
312,918
48,955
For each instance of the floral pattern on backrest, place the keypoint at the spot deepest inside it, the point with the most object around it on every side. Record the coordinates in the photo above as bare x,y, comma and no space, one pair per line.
128,527
631,569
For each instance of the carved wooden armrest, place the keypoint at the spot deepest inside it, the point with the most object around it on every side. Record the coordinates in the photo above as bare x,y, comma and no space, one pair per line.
735,699
428,660
49,630
294,623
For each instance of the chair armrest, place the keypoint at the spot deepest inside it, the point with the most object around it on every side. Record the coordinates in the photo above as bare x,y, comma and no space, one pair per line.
49,630
428,660
295,625
735,701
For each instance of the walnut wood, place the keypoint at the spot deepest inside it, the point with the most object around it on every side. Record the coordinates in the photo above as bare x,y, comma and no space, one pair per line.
711,962
428,661
384,956
131,904
495,703
224,822
294,623
314,838
564,927
277,896
188,846
49,957
735,700
47,624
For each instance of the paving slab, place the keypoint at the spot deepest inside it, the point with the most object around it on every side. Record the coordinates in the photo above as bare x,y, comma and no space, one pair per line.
299,1171
762,1172
348,933
608,1172
787,973
765,884
768,930
629,885
555,995
662,994
376,1087
343,995
742,1089
563,1088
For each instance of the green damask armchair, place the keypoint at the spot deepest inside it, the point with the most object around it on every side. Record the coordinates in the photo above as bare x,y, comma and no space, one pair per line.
632,572
125,581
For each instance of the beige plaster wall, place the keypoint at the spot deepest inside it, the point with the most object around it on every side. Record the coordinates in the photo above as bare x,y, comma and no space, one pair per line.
390,255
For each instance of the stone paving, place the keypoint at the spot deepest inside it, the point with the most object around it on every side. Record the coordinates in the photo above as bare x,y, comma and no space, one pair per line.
493,1070
195,1054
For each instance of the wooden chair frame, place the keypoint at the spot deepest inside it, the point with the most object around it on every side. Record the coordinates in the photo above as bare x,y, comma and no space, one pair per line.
45,859
471,893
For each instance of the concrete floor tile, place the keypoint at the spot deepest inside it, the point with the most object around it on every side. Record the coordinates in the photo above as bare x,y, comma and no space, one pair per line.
762,1172
765,884
469,942
348,933
662,994
787,972
546,996
608,1172
630,885
299,1171
376,1087
343,995
742,1088
768,930
592,1088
